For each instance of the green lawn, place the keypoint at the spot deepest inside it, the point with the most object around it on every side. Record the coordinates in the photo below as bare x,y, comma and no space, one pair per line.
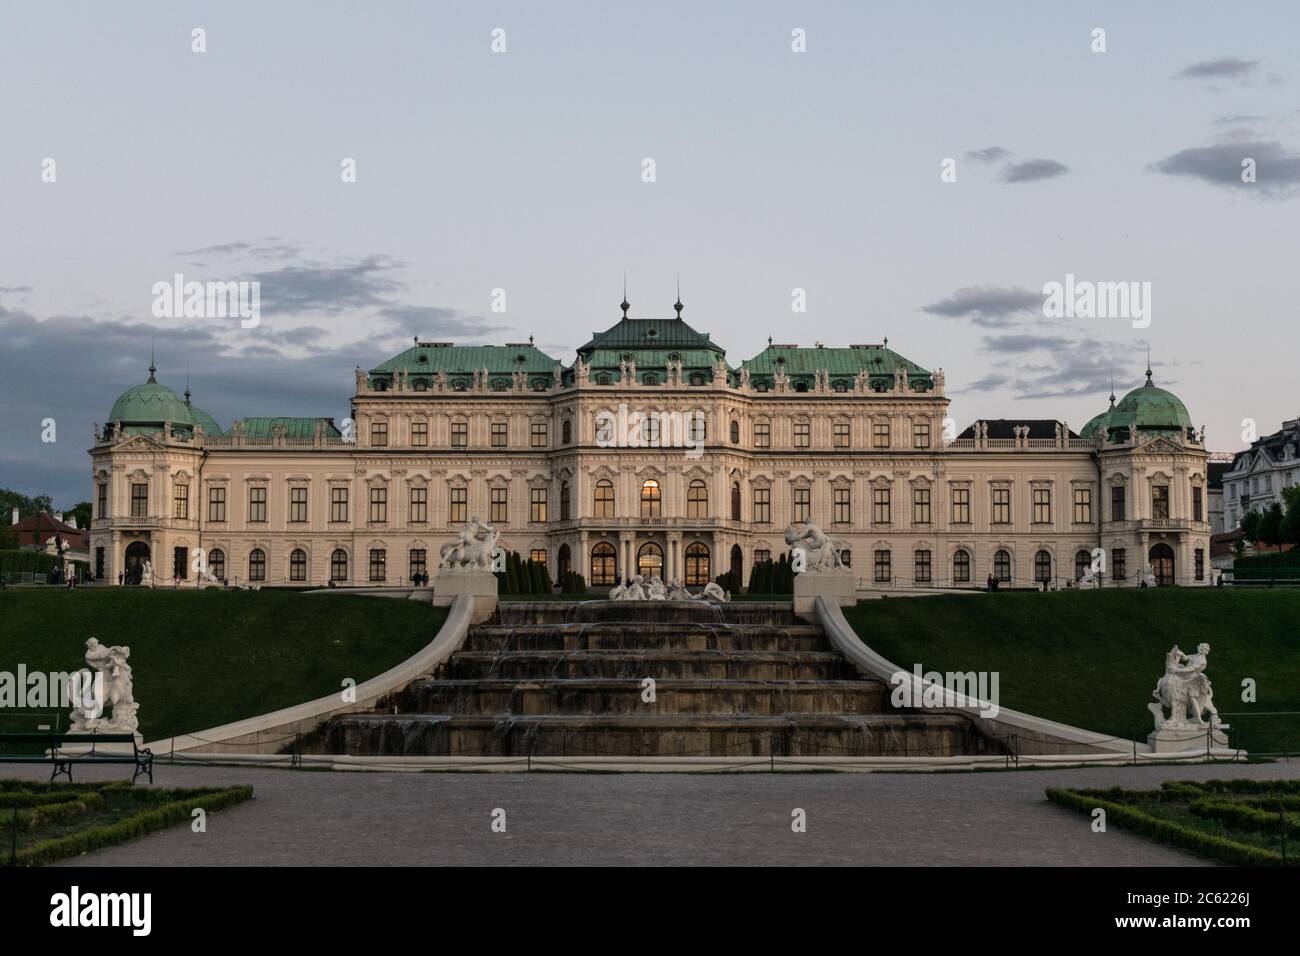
205,658
1092,658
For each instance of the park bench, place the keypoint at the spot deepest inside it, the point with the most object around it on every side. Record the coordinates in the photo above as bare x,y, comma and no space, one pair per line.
52,744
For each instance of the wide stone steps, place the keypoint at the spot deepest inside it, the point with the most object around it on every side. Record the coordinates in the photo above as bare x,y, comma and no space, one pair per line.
553,735
659,664
648,637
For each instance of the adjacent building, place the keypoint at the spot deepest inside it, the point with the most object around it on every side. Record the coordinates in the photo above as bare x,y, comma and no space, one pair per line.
1257,477
649,452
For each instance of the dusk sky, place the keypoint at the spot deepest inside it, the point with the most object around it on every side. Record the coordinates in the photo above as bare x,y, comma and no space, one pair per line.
522,171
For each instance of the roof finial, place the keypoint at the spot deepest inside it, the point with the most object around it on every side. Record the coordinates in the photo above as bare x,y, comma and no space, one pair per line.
152,367
1149,363
187,383
678,304
1112,388
623,305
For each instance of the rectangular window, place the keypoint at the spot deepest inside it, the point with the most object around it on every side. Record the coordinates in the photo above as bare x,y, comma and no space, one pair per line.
762,435
1083,506
298,504
1117,510
840,431
1119,564
379,434
1200,564
419,562
460,434
419,505
537,555
101,510
498,505
802,502
538,435
802,434
1160,501
338,504
378,564
920,434
922,570
843,505
761,555
99,564
500,434
880,506
537,505
180,501
1001,505
880,435
419,434
458,512
180,563
379,504
140,500
920,506
762,505
961,506
257,503
216,504
883,572
1042,506
1197,512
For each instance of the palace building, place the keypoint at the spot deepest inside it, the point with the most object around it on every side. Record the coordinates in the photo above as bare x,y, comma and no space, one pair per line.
853,439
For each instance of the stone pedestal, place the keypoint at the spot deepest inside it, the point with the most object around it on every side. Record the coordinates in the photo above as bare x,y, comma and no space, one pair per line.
481,585
838,586
1169,740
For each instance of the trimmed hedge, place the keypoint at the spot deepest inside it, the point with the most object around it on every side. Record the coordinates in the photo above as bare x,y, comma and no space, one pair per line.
1245,817
1128,817
73,805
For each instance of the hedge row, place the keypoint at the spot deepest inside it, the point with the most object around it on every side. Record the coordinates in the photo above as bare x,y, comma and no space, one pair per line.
1273,559
1245,817
147,821
1241,786
9,801
1168,832
73,805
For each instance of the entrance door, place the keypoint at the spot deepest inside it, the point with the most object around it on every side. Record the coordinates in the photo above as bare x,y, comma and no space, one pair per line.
137,553
650,560
737,564
1162,564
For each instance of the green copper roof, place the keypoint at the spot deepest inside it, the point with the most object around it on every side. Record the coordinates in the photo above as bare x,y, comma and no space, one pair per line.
657,335
209,424
1148,408
877,361
1096,425
294,427
465,360
150,403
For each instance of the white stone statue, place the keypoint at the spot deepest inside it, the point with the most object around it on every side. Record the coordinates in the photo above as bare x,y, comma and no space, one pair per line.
655,590
1148,576
146,574
823,552
472,549
1185,692
113,676
1089,580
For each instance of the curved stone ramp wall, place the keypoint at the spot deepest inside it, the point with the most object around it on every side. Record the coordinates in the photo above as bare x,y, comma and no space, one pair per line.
1033,735
271,733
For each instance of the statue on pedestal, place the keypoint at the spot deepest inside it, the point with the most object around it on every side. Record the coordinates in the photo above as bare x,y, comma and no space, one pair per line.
112,689
473,548
821,551
1185,692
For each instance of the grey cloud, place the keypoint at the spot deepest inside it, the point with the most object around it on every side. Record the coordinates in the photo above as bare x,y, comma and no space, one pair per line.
1277,169
990,154
331,289
1032,170
1020,343
1227,67
430,321
987,305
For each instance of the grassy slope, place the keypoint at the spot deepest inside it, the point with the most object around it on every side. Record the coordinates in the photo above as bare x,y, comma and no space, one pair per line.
1092,658
204,658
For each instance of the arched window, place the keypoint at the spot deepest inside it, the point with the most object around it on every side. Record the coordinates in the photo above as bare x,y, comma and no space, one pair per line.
603,504
563,560
217,564
650,499
650,560
566,431
697,499
961,567
339,565
257,565
735,501
1002,566
1082,562
1042,567
564,501
602,563
735,433
697,564
298,565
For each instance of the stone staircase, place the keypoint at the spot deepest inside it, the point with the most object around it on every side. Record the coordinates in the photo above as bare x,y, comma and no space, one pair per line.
569,680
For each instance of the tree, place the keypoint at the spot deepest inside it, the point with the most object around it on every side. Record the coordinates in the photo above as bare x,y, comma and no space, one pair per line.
1270,525
1290,531
81,511
1250,526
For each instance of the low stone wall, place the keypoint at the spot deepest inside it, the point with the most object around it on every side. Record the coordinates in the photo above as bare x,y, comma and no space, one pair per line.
271,733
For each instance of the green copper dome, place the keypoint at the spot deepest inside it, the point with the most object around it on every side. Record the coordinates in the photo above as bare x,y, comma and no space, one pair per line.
1150,409
209,424
151,404
1096,425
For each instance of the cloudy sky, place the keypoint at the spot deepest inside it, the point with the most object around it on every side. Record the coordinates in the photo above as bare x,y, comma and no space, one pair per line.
522,171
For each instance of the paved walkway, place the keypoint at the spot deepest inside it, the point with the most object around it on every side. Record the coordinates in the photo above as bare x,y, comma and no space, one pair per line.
357,818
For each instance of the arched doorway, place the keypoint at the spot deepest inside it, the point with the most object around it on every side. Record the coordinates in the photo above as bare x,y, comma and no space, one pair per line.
650,560
737,563
1162,564
697,565
602,563
564,559
137,553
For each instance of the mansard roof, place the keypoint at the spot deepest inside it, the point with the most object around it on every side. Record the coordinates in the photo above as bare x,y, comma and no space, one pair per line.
795,360
1005,427
434,357
656,335
294,427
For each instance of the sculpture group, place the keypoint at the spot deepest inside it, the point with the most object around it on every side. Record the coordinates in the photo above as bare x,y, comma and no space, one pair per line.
641,588
473,548
1185,692
821,552
113,674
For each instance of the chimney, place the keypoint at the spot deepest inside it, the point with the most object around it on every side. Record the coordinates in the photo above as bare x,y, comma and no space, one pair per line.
15,521
58,516
72,521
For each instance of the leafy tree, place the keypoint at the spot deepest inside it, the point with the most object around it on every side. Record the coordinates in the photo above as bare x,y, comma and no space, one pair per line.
1250,526
81,511
1290,531
10,499
1270,525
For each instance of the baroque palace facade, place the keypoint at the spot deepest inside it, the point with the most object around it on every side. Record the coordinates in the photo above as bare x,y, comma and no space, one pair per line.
852,439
